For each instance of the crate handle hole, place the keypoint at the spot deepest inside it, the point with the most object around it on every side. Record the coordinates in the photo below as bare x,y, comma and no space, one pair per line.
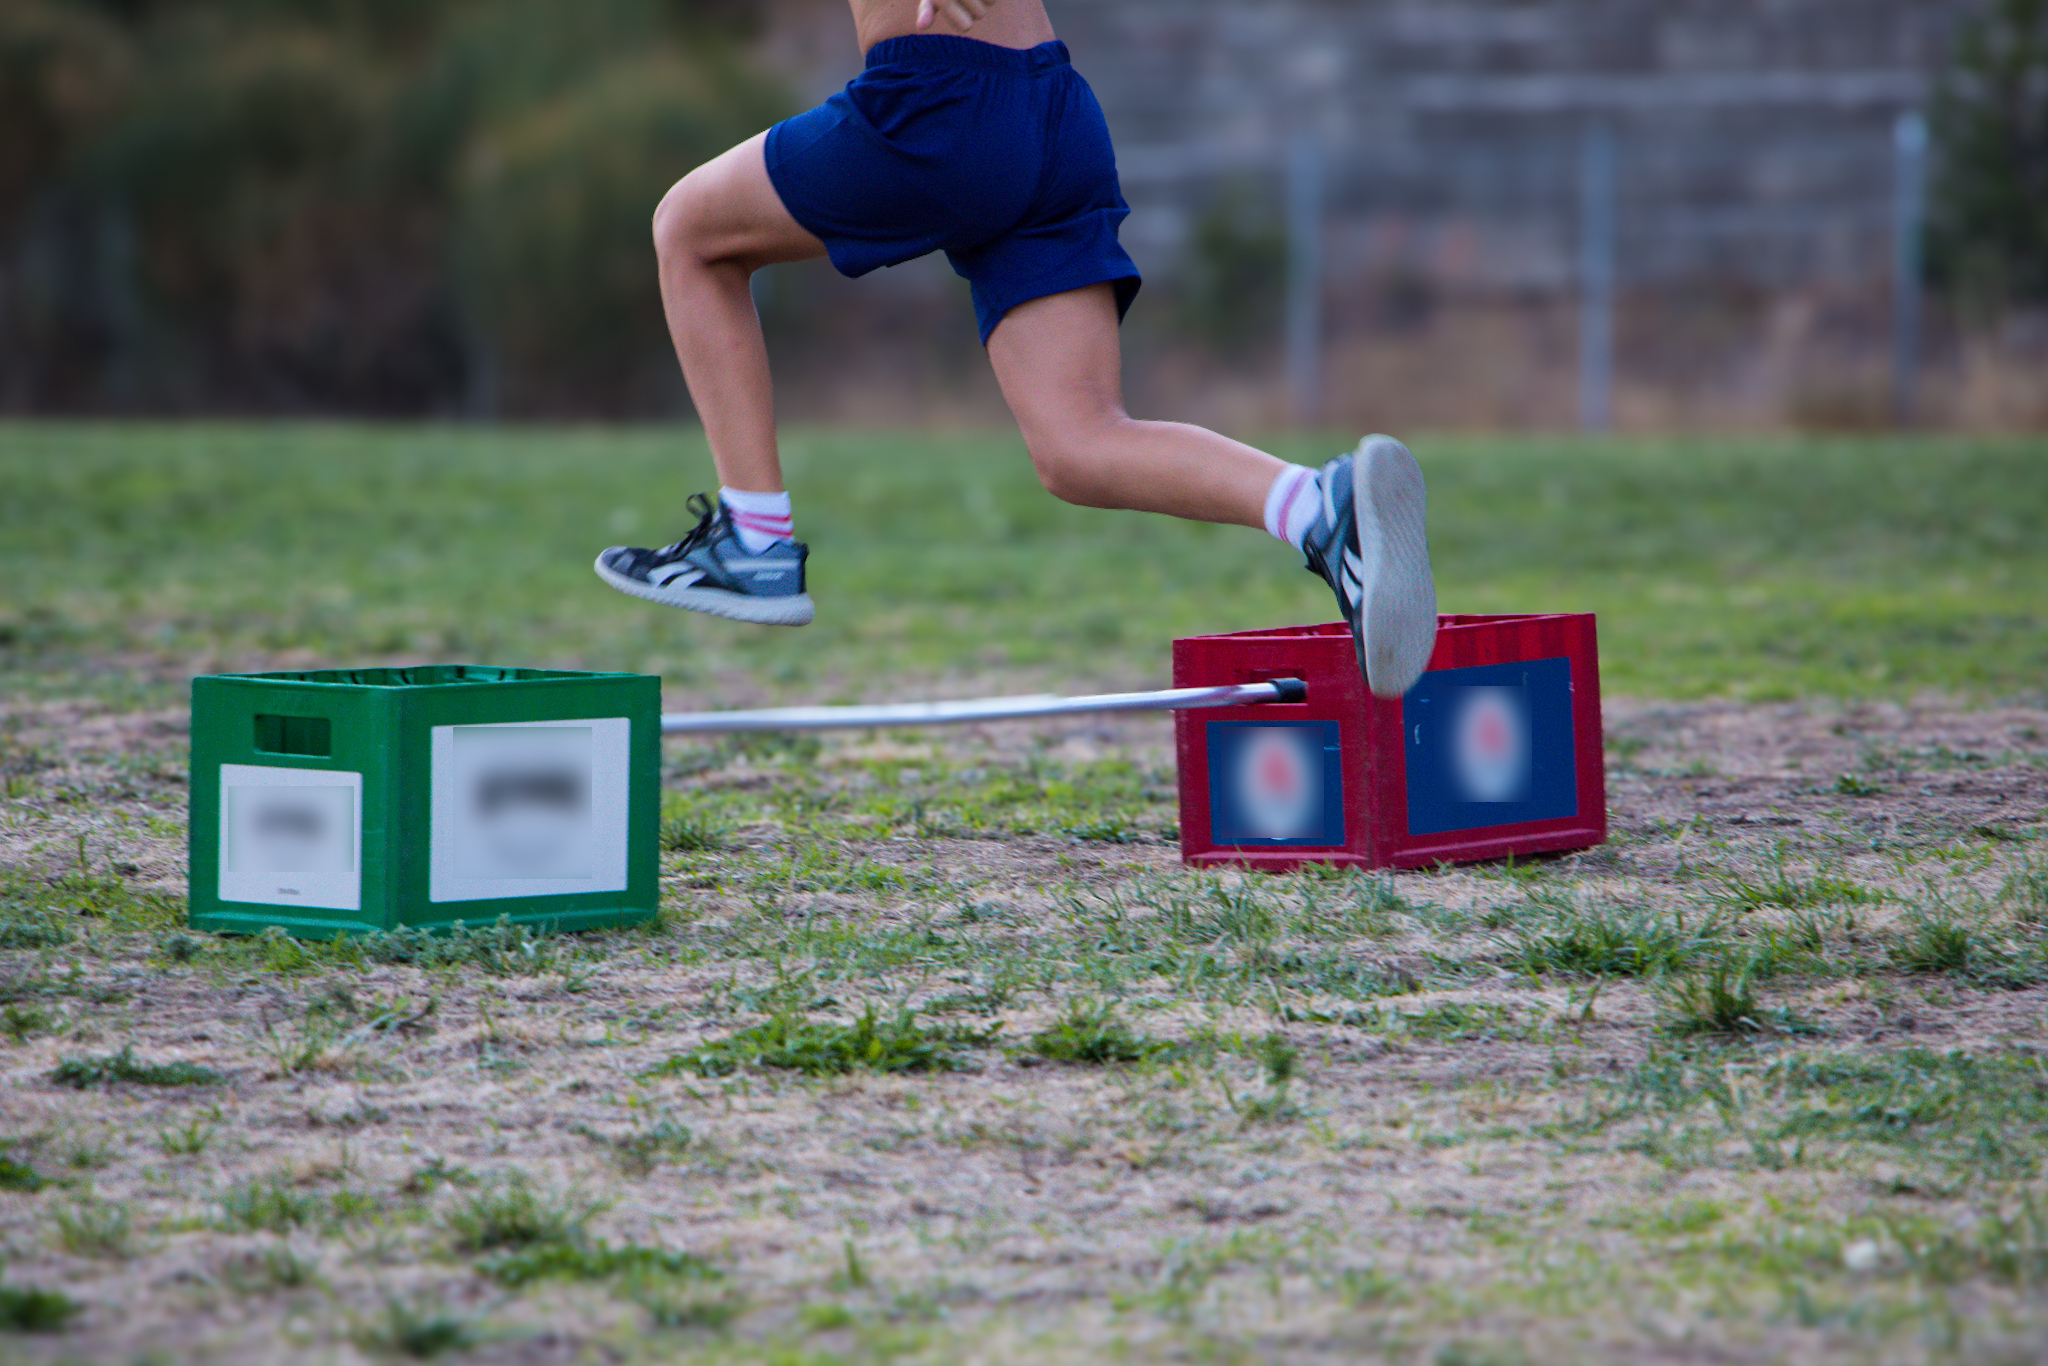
309,737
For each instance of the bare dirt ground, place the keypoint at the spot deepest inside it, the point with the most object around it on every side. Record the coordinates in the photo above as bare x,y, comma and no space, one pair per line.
1492,1114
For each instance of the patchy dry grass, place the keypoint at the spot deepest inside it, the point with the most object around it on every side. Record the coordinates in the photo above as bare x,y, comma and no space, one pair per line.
937,1054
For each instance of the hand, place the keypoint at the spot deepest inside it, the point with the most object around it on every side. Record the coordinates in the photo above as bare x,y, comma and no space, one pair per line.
963,13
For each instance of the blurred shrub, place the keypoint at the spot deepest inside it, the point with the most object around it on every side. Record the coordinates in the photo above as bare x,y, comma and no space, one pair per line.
554,226
1989,240
1235,285
373,205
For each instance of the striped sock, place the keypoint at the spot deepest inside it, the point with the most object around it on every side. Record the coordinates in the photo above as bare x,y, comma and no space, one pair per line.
1292,504
761,519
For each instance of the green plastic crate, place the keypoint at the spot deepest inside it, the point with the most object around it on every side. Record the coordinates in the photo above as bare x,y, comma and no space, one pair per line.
346,800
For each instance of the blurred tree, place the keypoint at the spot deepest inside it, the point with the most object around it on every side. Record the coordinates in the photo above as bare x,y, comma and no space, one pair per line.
1988,241
1232,294
584,130
396,206
62,72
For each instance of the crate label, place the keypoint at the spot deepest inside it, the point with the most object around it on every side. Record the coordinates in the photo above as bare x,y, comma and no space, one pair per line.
530,809
291,837
1275,784
1490,746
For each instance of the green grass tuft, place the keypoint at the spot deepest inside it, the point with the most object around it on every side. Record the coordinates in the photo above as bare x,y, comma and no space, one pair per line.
189,1139
24,1309
1794,893
692,827
268,1205
1092,1034
97,1228
673,1304
1721,1000
596,1261
1455,1021
108,1069
421,1330
642,1150
22,1023
270,1269
2024,894
1939,938
16,1175
872,1043
22,927
1603,940
513,1213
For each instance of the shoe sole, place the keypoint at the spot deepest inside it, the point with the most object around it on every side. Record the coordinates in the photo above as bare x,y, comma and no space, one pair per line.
1396,627
796,610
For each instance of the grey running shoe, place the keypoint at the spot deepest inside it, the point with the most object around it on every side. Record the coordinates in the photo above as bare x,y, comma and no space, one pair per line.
1370,546
709,570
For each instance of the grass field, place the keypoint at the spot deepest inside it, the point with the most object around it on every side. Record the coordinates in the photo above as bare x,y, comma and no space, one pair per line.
1756,569
936,1054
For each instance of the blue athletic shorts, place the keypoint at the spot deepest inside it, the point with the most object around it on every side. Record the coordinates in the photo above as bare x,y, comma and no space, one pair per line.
997,156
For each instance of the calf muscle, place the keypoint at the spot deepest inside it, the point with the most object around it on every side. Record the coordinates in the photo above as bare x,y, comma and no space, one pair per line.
1060,368
712,231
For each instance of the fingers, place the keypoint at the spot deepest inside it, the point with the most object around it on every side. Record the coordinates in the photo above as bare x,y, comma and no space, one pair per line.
963,13
927,10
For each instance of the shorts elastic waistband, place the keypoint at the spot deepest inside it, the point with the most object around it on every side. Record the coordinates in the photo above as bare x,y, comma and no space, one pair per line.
953,50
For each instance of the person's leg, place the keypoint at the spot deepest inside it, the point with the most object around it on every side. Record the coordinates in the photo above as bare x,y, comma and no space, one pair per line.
1060,366
712,231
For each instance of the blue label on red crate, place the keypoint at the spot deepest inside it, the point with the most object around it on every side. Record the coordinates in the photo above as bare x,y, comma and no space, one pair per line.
1490,746
1275,783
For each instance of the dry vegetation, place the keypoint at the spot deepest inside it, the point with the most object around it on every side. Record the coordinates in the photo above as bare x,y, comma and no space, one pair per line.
937,1054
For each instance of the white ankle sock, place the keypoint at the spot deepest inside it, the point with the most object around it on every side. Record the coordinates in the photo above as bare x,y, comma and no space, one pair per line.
1293,503
761,519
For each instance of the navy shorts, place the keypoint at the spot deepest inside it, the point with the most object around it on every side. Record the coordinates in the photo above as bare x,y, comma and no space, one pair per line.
997,156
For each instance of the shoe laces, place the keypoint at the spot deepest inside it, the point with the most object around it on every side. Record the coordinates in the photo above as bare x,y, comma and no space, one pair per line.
708,518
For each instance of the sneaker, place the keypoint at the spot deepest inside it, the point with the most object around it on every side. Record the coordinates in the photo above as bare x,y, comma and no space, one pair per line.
709,570
1370,546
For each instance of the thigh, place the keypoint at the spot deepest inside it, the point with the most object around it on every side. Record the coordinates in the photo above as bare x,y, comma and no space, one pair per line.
1059,361
874,198
727,210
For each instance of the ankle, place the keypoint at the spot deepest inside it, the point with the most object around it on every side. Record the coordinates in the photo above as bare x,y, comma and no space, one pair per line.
1292,504
761,520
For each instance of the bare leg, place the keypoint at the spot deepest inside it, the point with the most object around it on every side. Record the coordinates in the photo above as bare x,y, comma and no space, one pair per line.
1061,369
712,231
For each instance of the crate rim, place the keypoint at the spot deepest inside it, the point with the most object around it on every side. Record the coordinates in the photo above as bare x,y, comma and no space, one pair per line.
1446,621
350,679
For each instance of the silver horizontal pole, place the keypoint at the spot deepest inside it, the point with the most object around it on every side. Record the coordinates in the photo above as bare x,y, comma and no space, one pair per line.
979,709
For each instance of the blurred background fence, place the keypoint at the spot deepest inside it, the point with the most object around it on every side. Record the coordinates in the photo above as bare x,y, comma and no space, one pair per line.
1652,214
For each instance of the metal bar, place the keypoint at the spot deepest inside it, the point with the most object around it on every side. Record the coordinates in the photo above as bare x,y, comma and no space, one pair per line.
1596,278
1305,279
979,709
1909,215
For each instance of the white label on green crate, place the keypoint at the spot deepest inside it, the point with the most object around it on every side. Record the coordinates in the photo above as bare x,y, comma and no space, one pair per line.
535,809
291,837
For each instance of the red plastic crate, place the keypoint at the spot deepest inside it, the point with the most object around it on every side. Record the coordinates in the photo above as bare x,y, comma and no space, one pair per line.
1495,751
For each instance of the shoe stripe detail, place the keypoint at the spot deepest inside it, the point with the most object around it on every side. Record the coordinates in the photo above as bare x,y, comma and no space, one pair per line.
666,576
793,610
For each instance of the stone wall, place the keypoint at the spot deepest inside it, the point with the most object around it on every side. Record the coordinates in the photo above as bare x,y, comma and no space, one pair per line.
1755,185
1753,136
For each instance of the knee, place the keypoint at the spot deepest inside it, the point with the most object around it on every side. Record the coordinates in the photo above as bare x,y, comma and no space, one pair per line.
1065,455
677,219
